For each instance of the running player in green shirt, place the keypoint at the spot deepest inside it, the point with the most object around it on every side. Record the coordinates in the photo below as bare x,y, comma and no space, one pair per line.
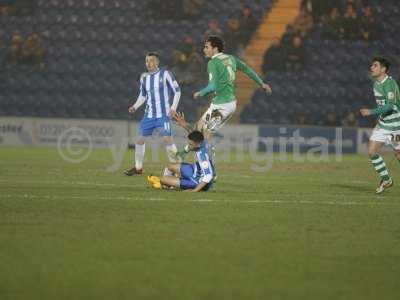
387,131
222,70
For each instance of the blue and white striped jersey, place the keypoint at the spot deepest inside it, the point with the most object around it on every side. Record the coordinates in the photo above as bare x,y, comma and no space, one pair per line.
203,157
158,89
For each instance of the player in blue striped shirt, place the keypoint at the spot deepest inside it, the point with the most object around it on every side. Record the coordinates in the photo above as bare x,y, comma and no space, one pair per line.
157,87
194,177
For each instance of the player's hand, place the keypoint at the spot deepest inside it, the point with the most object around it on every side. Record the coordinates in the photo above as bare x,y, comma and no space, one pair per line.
179,118
196,95
172,113
131,109
267,88
365,112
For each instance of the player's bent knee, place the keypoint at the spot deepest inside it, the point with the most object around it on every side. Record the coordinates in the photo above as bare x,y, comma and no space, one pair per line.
397,154
140,141
373,148
173,167
372,153
170,181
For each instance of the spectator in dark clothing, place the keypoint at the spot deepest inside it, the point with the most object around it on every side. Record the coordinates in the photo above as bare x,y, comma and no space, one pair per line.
303,23
3,53
317,8
350,120
274,58
164,9
192,8
179,66
301,118
187,47
7,10
213,28
331,119
248,23
287,38
333,28
295,54
33,50
306,5
368,25
258,10
232,36
351,25
25,7
195,68
15,52
357,4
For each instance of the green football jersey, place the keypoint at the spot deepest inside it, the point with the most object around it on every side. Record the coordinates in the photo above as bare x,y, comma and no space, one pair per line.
222,70
387,93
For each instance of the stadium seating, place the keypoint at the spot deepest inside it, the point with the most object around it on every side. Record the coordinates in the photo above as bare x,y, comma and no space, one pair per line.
95,55
335,77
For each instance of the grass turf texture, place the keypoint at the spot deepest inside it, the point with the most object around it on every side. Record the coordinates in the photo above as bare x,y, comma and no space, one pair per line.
300,231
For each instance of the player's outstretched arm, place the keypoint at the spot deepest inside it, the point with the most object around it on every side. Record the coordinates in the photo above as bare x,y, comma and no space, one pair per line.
242,66
365,112
179,118
210,88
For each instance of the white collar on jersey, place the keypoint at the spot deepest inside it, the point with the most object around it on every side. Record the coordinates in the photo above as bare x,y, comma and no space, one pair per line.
384,79
215,55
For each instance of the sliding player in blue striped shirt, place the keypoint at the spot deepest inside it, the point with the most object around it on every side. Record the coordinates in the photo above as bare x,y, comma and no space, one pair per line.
195,177
157,88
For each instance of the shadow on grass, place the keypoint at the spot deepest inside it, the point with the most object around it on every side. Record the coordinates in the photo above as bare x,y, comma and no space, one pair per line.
353,188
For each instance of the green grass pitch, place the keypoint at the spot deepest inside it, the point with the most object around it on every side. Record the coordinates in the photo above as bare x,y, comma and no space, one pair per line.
300,231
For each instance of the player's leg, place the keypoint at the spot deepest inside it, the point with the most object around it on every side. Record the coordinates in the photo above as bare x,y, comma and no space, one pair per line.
140,147
396,144
202,126
218,115
187,176
171,149
377,140
166,132
171,172
170,181
173,169
397,154
145,130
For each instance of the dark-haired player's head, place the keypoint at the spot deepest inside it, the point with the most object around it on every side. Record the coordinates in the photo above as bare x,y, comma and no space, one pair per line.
379,67
152,61
195,140
213,45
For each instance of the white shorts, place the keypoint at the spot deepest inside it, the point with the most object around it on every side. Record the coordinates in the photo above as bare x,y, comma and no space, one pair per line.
387,137
226,110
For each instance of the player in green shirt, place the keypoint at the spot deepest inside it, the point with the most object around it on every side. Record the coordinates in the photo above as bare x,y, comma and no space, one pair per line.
222,70
387,131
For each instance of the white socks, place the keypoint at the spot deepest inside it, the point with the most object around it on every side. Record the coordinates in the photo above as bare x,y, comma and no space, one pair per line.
139,156
140,150
171,152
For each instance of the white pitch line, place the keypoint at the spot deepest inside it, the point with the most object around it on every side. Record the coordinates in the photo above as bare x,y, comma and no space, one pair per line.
71,183
204,200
